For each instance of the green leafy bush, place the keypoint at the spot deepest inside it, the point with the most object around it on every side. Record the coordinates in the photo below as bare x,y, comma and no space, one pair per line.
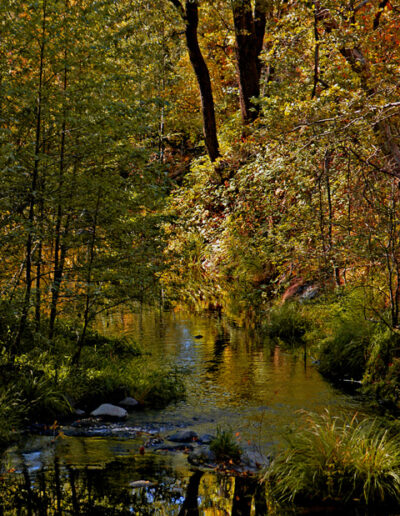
43,399
382,375
288,322
344,350
338,459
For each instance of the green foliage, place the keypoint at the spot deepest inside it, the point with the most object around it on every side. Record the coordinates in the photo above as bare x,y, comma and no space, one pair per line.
11,416
382,375
43,385
343,355
155,386
225,446
338,459
288,322
43,399
107,381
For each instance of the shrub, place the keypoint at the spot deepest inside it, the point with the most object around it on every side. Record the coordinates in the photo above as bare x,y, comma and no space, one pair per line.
43,399
382,375
225,446
155,386
110,381
344,351
341,459
11,415
288,322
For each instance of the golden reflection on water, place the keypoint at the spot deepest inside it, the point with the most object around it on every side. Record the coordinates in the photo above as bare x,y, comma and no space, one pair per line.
236,379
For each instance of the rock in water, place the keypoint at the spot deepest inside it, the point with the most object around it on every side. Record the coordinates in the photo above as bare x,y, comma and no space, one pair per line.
206,439
129,402
108,410
202,455
185,436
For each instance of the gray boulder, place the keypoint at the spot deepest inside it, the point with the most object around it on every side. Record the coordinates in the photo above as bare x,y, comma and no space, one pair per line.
108,410
128,402
185,436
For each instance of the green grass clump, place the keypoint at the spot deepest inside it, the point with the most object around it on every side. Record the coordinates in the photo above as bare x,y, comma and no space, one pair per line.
225,447
11,416
288,322
343,353
337,459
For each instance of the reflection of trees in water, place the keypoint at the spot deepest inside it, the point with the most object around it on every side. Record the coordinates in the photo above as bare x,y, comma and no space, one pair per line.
69,490
190,506
221,342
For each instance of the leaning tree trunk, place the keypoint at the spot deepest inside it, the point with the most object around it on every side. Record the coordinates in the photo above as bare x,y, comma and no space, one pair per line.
191,17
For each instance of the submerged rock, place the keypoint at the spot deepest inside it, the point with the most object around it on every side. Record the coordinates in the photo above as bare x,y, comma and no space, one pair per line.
153,442
205,439
201,456
184,447
185,436
129,402
108,410
43,429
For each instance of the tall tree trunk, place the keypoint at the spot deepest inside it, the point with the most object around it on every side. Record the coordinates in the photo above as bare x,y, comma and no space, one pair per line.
191,17
88,296
249,34
34,184
190,506
39,256
58,262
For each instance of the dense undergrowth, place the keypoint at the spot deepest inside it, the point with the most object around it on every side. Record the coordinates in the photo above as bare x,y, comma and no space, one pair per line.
41,383
344,342
336,460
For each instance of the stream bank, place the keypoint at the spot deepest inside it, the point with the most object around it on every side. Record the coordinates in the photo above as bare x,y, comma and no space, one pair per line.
233,380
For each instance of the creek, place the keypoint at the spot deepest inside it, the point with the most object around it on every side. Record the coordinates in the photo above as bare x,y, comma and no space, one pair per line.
234,380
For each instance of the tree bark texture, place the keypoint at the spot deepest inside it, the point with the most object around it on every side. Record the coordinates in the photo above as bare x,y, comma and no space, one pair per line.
249,34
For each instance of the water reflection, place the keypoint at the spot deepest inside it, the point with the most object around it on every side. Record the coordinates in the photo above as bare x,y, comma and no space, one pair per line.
66,489
221,342
235,381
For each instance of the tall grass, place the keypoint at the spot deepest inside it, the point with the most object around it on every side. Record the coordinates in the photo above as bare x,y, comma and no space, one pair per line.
288,322
338,459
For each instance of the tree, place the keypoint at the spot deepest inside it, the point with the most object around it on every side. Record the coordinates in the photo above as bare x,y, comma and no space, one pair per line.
190,16
249,34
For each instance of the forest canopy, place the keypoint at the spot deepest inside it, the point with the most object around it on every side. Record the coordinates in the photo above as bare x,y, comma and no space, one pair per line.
209,152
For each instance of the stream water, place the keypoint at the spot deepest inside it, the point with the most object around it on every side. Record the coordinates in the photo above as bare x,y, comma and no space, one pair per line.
234,380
